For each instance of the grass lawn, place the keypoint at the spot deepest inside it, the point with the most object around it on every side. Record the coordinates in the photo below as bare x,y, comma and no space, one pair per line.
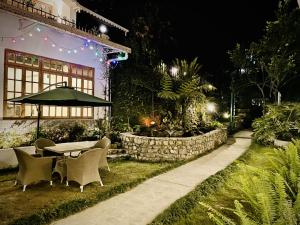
215,191
41,203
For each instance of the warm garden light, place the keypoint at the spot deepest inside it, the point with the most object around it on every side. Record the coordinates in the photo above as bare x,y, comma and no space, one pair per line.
226,115
174,70
103,29
210,87
211,107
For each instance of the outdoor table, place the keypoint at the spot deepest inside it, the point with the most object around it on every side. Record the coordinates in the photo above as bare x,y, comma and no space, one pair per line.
71,147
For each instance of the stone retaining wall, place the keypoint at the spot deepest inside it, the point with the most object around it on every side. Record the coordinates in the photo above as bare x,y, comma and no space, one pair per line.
173,148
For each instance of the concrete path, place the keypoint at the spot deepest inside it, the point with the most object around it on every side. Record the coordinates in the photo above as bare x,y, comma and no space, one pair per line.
143,203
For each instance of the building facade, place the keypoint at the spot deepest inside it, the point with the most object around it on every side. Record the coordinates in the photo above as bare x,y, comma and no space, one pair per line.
40,46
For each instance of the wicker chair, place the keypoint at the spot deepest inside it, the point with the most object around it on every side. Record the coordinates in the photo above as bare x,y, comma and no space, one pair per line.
104,143
32,169
84,169
41,143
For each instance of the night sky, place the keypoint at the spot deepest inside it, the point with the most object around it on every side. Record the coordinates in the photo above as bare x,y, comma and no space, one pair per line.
206,30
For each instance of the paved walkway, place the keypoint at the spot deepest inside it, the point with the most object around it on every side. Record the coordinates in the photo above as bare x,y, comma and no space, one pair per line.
143,203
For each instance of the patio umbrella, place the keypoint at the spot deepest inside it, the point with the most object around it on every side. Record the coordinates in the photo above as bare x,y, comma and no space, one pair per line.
61,96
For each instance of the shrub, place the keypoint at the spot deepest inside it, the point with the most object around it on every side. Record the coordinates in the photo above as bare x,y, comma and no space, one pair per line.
12,139
279,122
265,196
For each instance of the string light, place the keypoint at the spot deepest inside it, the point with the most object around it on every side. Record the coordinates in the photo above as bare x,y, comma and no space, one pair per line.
87,43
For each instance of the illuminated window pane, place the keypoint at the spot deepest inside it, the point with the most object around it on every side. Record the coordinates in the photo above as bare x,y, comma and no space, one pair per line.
34,111
46,78
85,84
85,91
85,72
65,68
79,71
19,59
74,82
90,92
10,85
35,76
18,74
58,111
28,87
53,79
89,112
28,110
18,86
18,94
28,61
73,111
53,65
59,67
45,110
52,111
66,79
11,57
35,88
35,61
90,84
79,83
59,79
10,95
10,73
28,75
84,112
78,112
46,64
64,111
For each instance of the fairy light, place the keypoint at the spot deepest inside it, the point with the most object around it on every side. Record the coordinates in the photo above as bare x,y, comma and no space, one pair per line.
13,40
53,45
30,34
22,38
101,60
69,51
91,47
81,48
45,38
38,29
60,49
88,40
75,51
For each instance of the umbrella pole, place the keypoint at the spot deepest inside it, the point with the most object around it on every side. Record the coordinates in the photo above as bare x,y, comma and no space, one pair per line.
38,122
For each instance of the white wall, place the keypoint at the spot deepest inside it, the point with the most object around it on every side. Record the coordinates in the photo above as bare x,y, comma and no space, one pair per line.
9,27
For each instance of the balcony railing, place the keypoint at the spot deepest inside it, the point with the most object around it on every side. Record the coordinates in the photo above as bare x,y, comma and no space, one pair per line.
30,8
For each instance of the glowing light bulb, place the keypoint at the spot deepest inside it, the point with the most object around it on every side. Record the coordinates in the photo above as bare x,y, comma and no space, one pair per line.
30,34
13,40
103,29
60,49
81,48
91,47
38,29
88,40
69,51
53,45
75,51
45,38
22,38
101,60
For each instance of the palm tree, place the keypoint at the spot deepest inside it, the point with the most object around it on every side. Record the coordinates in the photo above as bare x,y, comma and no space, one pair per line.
182,85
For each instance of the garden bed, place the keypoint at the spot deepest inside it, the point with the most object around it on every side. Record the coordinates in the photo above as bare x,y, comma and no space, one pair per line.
171,148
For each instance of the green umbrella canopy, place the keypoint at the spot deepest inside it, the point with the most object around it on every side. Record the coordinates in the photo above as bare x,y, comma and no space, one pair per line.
62,96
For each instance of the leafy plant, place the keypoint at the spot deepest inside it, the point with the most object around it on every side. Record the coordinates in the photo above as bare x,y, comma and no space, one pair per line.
182,86
265,196
279,122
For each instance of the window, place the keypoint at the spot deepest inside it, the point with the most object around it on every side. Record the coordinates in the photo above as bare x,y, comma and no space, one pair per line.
27,74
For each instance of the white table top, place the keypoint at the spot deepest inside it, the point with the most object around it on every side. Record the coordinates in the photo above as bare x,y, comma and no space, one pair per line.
71,146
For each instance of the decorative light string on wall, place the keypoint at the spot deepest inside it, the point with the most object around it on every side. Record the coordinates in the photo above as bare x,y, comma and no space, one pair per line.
38,30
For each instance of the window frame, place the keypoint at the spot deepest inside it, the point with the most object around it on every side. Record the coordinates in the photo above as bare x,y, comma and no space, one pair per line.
41,70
